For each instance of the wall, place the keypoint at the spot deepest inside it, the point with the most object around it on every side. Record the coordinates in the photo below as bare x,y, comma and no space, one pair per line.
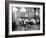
2,19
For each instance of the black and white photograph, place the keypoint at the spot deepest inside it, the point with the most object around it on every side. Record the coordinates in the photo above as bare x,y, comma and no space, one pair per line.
25,18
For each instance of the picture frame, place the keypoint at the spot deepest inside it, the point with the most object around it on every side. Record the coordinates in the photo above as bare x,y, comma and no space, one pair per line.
10,7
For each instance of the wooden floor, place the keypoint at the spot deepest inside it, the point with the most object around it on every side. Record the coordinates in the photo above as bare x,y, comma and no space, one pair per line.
28,27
